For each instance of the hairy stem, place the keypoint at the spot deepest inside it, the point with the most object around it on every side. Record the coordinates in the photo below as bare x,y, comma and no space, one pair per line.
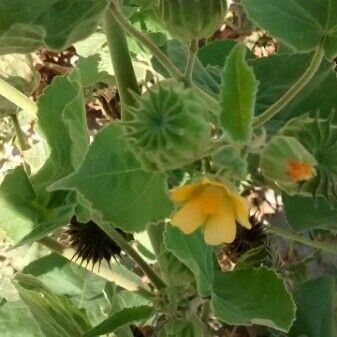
121,242
19,133
17,97
294,90
119,274
121,61
301,239
193,50
145,41
157,53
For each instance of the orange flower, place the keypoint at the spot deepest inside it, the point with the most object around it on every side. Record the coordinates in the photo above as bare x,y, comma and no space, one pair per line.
212,205
300,171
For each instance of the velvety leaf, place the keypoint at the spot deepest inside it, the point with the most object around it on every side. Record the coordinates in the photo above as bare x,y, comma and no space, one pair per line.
216,52
121,318
55,314
238,92
127,196
300,24
61,117
27,25
19,211
192,251
277,73
253,296
90,72
315,314
17,321
314,213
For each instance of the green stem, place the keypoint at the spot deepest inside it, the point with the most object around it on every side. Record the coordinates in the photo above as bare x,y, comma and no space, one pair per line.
124,245
294,90
121,61
145,41
21,138
193,50
17,97
157,53
303,240
119,274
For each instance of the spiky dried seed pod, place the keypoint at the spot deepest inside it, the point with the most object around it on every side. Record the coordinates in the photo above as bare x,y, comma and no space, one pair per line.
91,243
188,20
169,127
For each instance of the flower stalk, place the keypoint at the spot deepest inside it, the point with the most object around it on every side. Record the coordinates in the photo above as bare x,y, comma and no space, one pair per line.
193,50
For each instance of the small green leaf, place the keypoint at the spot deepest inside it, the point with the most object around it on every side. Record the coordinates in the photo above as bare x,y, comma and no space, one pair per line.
55,314
253,296
27,25
192,251
300,24
120,319
127,196
238,92
315,213
315,314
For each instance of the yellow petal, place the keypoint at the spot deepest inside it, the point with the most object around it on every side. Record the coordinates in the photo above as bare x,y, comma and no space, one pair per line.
183,193
220,227
241,210
189,217
210,199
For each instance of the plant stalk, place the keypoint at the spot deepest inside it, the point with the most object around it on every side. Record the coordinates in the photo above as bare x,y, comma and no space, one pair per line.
17,97
119,274
157,53
300,239
294,90
21,138
124,245
121,61
193,50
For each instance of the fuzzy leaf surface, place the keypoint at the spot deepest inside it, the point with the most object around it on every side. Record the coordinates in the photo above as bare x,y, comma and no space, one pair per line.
27,25
315,213
61,117
192,251
127,196
253,296
315,315
302,24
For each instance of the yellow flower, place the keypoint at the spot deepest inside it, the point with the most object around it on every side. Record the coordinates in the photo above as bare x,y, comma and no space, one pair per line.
214,206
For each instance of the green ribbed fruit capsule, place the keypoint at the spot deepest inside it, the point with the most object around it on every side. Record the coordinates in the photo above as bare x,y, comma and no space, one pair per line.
168,127
288,164
188,20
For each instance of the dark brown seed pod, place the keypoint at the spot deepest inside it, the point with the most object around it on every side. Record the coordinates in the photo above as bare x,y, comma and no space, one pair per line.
91,243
